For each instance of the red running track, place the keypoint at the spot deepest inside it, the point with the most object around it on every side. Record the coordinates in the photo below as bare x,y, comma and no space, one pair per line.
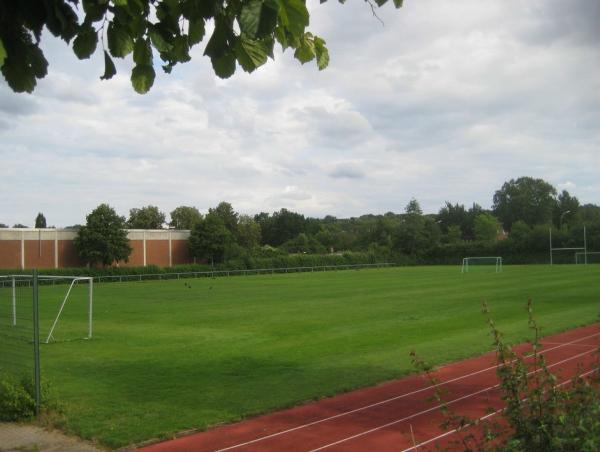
397,415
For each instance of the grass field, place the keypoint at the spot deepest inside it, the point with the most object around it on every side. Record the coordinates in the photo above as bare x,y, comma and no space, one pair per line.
166,357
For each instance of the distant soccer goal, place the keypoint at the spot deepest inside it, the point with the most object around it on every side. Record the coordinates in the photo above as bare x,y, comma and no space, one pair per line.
467,262
590,257
66,282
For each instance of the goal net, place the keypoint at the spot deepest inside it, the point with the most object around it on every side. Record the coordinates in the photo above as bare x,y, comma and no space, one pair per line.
591,257
488,261
67,299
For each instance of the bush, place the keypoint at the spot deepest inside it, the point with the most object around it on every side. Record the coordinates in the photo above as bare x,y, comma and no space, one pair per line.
540,413
17,398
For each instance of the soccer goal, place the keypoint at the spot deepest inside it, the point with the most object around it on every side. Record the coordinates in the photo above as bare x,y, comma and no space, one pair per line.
496,261
66,282
589,257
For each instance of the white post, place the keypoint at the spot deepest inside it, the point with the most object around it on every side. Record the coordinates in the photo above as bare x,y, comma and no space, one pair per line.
90,293
14,302
550,245
584,245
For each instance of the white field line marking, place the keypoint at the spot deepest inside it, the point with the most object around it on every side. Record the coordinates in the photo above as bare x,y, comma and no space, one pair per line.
397,421
391,399
575,345
450,432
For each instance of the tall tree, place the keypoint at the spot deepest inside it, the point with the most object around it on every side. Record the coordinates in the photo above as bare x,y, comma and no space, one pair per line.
566,209
486,227
148,217
527,199
244,34
185,217
210,239
248,232
40,221
103,240
226,213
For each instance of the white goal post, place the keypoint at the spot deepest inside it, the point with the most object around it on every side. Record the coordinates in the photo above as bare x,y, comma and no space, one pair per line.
490,260
71,280
583,258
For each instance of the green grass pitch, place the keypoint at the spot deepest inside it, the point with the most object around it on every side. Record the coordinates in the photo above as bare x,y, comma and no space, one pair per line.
174,355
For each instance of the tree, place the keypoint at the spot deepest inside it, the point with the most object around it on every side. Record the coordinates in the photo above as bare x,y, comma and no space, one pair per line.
454,234
486,227
566,209
148,217
244,34
248,232
40,221
528,199
281,226
103,240
209,239
20,225
226,213
185,217
3,226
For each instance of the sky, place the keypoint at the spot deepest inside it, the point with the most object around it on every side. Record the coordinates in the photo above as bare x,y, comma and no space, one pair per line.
444,101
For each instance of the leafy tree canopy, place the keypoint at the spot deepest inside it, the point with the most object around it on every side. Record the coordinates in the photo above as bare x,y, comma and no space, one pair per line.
3,226
245,33
103,240
486,227
185,217
210,239
528,199
40,221
20,225
148,217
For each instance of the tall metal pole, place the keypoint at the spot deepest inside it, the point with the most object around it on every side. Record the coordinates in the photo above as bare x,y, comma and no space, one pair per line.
36,343
90,293
550,245
14,302
584,245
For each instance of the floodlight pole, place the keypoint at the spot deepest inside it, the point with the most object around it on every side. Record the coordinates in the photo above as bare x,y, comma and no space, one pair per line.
14,302
584,246
91,296
550,245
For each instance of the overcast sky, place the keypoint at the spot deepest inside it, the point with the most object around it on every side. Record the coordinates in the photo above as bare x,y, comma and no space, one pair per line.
446,101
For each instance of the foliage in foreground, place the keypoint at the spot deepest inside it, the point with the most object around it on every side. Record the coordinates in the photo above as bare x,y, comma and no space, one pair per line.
245,33
17,398
541,414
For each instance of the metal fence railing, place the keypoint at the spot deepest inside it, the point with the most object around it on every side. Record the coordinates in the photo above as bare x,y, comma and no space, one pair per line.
244,272
19,331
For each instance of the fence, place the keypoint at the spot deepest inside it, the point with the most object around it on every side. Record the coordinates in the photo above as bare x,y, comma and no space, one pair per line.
244,272
19,332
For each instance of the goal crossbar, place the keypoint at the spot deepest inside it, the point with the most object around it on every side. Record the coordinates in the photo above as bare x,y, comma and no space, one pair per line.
467,260
74,280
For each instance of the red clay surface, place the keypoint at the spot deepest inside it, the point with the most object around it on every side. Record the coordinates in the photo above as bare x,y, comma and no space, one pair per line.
397,415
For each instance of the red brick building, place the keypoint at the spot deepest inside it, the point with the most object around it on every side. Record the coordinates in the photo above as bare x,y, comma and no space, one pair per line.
54,248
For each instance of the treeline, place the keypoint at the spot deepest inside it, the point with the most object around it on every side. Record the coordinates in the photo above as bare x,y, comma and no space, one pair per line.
516,228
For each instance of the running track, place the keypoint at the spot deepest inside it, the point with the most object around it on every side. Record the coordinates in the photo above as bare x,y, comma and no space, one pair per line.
397,415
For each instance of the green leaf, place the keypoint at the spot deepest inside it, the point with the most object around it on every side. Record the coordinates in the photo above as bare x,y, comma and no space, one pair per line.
322,53
37,62
120,2
94,10
85,42
250,17
2,53
293,15
142,52
398,3
268,18
250,54
224,66
158,40
109,67
196,31
218,44
120,43
281,37
306,51
142,78
181,49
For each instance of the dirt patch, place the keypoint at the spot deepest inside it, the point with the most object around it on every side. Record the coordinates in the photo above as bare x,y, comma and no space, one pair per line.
30,438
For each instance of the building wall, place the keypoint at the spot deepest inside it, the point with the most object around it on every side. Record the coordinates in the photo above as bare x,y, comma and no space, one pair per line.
54,248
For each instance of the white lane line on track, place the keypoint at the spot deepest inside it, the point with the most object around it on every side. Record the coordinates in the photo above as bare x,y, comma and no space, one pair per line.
428,410
487,416
574,345
391,399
